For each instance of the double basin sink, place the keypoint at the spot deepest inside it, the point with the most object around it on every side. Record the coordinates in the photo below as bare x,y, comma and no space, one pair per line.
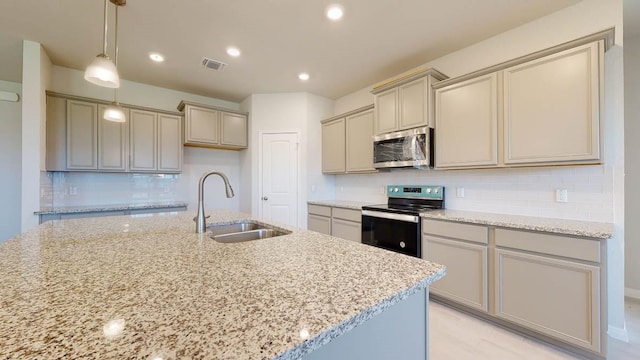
243,231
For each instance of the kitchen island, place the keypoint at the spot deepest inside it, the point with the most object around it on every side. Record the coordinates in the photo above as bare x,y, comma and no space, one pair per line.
149,287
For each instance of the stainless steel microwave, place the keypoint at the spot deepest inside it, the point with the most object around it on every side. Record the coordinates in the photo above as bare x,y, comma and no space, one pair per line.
407,148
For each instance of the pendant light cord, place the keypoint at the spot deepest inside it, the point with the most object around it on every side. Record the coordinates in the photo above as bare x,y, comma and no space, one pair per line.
104,34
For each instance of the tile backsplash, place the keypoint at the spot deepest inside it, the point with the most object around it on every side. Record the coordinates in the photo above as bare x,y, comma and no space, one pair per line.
517,191
86,189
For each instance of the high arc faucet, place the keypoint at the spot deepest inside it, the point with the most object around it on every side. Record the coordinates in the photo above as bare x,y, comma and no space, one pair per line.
201,220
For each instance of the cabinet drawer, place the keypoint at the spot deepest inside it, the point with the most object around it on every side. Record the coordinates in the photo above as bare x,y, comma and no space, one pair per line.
320,224
565,246
347,214
319,210
474,233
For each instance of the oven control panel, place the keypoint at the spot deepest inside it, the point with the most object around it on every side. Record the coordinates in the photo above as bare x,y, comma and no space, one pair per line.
416,191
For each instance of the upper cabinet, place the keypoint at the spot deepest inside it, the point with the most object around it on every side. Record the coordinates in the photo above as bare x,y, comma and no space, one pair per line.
209,126
467,123
79,139
541,109
405,102
552,107
347,144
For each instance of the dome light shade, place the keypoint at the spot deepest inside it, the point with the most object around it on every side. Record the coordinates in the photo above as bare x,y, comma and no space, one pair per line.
102,72
114,113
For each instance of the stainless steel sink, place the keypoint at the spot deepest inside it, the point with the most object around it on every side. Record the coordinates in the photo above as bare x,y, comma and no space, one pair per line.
234,228
243,231
249,235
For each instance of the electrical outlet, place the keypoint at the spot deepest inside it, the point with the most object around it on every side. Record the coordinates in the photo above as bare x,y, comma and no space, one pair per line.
562,195
460,192
73,190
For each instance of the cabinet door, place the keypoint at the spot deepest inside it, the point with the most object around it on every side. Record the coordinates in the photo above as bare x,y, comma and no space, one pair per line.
552,108
202,125
321,224
82,135
112,142
467,269
556,297
233,129
333,147
143,140
386,111
359,133
412,98
348,230
169,143
56,152
467,124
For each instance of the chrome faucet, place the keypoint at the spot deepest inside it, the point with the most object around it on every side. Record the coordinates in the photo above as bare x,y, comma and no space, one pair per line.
201,220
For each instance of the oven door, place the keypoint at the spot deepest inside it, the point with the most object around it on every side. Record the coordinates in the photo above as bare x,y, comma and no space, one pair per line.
392,231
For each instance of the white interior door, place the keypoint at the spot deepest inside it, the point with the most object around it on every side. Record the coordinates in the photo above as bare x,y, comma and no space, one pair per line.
279,178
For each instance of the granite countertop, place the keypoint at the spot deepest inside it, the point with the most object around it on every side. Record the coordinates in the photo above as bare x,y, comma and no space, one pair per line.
589,229
354,205
113,207
146,287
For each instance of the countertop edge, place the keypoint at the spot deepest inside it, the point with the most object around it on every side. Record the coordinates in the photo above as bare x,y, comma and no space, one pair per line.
105,208
353,205
351,323
579,228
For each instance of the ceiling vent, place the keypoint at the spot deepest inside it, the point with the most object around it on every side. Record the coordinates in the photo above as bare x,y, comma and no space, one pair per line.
213,64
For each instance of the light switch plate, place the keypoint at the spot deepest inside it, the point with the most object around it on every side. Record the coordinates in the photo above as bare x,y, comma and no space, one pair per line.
460,192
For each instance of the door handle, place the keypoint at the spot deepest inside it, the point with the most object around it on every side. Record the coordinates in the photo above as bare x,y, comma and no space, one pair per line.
264,198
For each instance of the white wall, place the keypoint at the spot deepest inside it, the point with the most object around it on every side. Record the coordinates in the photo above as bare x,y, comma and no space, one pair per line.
10,162
36,74
299,112
632,149
142,188
595,192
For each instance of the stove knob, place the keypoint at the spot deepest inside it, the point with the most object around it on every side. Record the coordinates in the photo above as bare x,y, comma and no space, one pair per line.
435,190
395,190
428,190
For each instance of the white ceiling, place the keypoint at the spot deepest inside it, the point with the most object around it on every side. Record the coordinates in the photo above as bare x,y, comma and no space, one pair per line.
375,40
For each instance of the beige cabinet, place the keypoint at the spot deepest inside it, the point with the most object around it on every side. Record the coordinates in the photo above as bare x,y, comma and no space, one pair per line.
405,102
319,219
466,123
336,221
552,107
542,109
112,142
143,140
169,143
209,126
543,284
155,142
462,248
79,139
82,135
359,142
347,143
334,146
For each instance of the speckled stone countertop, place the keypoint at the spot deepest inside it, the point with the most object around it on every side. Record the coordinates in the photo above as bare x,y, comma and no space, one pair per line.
117,207
127,287
589,229
354,205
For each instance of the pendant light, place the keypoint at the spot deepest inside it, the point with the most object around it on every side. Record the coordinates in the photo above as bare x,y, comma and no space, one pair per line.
102,71
114,111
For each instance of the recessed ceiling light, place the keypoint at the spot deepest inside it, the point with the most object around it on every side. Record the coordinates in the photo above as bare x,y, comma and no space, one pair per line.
303,76
156,57
335,12
232,51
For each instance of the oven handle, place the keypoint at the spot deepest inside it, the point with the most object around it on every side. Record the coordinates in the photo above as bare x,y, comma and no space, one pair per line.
391,216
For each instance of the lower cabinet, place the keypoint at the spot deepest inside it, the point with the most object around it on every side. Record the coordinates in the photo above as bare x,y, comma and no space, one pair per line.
544,284
335,221
463,250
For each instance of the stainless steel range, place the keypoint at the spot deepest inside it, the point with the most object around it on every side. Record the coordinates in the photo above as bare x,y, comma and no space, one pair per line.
396,225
